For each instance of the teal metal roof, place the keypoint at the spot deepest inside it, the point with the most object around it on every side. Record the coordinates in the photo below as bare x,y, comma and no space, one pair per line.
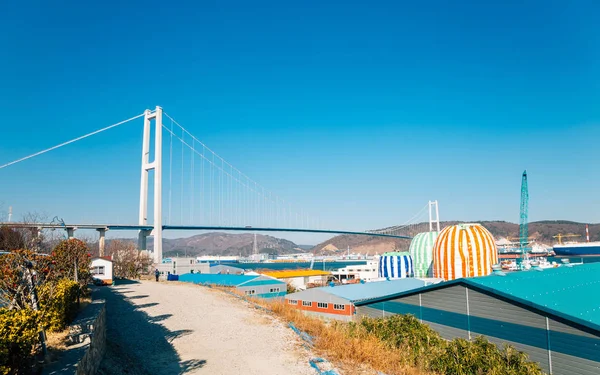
216,279
263,281
566,292
359,292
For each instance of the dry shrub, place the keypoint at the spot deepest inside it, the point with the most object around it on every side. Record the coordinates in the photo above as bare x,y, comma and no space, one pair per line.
349,345
401,344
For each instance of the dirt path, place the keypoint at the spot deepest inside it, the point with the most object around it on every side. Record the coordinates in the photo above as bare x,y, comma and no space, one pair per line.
175,328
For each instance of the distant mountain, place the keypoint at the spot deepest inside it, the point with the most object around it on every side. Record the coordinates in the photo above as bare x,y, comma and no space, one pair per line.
541,231
226,244
360,245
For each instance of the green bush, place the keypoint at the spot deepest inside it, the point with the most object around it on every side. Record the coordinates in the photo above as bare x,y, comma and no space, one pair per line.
406,332
19,332
426,349
462,357
58,303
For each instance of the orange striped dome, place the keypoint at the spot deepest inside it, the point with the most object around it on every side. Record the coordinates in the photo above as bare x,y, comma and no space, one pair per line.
464,250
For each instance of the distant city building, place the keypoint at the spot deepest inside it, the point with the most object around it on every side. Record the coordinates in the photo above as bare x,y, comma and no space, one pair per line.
181,265
218,258
296,257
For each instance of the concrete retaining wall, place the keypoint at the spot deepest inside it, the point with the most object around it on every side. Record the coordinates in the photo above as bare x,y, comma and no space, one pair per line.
87,343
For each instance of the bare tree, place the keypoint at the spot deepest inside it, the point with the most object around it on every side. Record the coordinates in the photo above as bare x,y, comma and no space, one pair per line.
128,261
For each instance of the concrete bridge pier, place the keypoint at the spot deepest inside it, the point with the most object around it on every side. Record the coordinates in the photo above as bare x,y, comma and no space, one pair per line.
71,232
101,240
143,239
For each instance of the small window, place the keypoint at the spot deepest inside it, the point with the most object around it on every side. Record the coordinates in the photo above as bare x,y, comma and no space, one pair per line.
339,307
307,303
292,301
98,270
322,305
250,292
274,290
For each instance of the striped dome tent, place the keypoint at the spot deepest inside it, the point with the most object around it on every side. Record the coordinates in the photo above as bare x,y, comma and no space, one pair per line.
464,250
396,265
421,250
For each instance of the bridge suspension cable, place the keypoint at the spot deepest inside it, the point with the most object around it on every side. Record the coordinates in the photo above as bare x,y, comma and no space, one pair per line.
71,141
414,225
232,198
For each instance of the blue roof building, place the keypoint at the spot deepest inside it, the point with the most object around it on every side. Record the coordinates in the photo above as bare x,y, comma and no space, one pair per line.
338,302
226,269
553,315
255,286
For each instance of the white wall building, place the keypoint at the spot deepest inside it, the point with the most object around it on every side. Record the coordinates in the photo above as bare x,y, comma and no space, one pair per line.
102,269
217,258
355,272
181,265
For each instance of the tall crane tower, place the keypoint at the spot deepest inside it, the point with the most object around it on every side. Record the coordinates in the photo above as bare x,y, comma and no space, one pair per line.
524,220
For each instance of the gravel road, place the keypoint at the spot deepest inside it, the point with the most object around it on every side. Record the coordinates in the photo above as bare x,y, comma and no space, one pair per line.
177,328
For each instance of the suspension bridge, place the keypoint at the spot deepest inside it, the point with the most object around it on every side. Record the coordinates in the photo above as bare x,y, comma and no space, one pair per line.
213,194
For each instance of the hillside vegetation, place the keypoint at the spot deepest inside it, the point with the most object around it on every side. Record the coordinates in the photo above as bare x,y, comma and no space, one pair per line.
218,243
540,231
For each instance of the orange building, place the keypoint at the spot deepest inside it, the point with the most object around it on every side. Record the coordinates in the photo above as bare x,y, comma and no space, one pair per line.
337,302
300,279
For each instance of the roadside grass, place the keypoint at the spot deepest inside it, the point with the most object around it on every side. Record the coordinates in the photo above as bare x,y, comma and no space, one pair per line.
350,347
397,345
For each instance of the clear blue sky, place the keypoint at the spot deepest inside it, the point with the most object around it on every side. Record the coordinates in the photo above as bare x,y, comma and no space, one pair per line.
359,112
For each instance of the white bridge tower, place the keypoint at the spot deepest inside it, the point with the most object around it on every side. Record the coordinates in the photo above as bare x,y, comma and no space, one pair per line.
156,166
433,220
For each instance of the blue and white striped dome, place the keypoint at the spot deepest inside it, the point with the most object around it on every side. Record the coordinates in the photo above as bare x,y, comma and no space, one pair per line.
396,265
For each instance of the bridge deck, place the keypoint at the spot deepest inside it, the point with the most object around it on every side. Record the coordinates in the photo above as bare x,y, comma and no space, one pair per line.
194,228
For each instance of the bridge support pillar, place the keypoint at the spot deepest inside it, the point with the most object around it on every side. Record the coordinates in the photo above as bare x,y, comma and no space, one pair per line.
156,166
71,232
101,241
143,240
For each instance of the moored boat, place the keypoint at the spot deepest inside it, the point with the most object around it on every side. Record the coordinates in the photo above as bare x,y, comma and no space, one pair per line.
578,249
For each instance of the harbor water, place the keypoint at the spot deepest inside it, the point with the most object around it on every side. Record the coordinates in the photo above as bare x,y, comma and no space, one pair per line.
332,266
326,266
